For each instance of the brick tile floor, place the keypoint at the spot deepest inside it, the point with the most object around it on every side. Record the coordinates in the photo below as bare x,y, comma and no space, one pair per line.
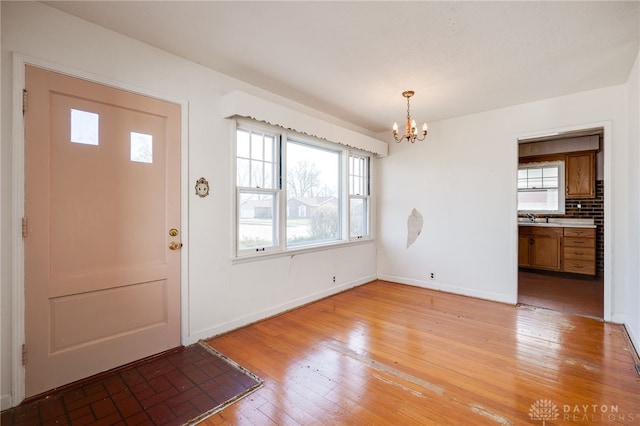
167,390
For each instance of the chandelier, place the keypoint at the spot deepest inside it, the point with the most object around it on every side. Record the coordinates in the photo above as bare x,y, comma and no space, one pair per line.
411,134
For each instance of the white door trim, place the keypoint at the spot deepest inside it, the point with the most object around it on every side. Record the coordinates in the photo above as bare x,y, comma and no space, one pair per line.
20,61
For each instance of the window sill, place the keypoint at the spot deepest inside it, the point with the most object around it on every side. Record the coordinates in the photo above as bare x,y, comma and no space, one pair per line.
295,251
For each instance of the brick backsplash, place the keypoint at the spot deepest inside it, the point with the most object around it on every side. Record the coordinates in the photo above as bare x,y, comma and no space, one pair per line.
591,208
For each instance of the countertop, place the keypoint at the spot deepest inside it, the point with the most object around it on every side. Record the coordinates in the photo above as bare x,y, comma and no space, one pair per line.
558,223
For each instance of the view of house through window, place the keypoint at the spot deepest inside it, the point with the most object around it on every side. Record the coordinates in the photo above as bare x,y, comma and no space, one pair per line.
312,189
291,191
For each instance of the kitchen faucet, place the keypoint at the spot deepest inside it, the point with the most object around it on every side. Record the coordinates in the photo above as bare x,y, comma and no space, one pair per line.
531,217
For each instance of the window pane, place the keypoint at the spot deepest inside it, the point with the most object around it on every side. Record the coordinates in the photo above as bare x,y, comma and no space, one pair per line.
550,172
257,174
550,182
534,173
257,220
244,148
243,172
358,179
541,200
141,148
268,148
358,215
84,127
535,182
256,156
313,176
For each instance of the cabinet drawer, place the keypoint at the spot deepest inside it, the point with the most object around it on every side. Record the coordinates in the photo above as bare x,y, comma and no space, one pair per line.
579,242
580,266
580,232
553,232
579,253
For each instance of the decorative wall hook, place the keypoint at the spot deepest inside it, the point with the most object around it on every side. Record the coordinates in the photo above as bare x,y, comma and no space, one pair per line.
202,187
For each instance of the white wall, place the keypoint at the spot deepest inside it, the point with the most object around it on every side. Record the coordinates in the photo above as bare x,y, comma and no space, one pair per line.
219,295
633,283
463,181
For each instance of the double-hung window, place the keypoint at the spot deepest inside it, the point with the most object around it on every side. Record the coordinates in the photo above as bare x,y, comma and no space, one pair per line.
295,192
359,193
541,188
258,189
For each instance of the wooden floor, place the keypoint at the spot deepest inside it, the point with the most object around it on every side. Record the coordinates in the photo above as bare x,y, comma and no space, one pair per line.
573,294
386,353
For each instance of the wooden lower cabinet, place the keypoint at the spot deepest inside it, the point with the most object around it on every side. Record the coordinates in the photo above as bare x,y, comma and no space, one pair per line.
557,249
539,248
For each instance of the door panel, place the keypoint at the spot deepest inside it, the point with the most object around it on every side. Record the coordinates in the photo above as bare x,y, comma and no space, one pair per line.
102,171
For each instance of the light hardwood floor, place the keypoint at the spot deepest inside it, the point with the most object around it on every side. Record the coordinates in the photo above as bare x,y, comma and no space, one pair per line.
386,353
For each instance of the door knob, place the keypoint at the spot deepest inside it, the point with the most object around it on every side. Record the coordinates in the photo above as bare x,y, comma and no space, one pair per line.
175,246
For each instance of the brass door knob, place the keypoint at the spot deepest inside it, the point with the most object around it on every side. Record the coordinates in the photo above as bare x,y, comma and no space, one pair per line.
175,246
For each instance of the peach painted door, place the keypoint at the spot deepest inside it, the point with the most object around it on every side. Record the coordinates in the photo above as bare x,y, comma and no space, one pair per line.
102,196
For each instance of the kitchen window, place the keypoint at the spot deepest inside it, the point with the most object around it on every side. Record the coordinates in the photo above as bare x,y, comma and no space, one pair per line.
297,192
541,188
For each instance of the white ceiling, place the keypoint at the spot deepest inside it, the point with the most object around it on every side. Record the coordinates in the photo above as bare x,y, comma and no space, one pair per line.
354,59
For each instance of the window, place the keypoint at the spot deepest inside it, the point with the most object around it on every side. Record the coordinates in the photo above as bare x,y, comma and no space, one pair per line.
541,188
295,191
258,190
358,196
313,180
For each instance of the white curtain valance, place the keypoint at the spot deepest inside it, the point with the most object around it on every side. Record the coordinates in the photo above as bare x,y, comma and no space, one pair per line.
240,104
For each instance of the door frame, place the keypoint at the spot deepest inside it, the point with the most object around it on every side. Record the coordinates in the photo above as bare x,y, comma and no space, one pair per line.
20,61
607,174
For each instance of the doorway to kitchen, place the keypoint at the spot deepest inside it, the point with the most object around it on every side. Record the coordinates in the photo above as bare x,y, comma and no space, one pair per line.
561,222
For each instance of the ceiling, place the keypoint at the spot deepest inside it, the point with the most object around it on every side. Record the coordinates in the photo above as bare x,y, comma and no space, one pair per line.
353,60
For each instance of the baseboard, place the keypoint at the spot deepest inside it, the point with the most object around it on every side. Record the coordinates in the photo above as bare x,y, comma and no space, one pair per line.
634,345
434,285
5,402
275,310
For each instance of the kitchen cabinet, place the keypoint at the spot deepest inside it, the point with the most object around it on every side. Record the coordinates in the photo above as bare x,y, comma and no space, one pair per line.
524,246
540,247
580,174
579,250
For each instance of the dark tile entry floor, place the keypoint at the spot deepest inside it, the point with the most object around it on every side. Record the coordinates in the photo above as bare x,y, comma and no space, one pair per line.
167,390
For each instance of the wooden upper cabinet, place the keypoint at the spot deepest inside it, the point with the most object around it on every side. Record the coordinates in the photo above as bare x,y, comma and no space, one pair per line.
580,173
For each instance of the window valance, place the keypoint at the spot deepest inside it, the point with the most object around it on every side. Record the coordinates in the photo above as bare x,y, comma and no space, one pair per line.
240,104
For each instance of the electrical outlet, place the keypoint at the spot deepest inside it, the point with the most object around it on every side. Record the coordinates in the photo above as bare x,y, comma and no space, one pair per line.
334,278
432,276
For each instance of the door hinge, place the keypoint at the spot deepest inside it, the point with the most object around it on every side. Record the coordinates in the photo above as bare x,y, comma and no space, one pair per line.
25,101
24,354
25,227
